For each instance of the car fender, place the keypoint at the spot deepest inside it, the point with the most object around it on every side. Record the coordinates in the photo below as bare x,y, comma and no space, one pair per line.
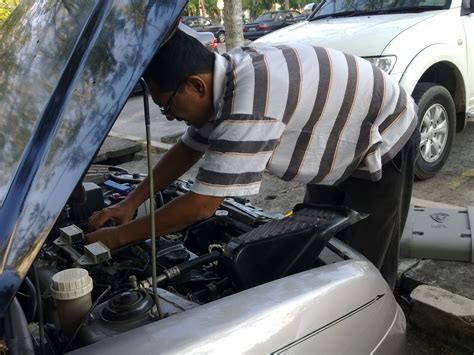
429,56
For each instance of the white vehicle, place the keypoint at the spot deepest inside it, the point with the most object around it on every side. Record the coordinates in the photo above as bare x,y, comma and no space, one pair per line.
427,46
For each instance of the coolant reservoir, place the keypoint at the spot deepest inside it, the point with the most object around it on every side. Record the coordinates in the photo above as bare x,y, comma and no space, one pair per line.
71,289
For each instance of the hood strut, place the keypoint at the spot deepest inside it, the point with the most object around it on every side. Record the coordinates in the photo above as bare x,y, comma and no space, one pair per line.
152,195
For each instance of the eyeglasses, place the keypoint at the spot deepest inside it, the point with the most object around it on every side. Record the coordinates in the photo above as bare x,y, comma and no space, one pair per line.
166,110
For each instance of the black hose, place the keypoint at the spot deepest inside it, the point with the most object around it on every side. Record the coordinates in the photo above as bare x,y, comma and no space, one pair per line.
40,311
177,270
160,201
71,252
201,260
212,289
32,299
18,337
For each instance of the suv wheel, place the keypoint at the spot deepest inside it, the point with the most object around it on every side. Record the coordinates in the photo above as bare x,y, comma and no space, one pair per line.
221,37
437,116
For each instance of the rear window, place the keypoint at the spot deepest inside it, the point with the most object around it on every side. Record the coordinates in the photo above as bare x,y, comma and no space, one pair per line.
267,16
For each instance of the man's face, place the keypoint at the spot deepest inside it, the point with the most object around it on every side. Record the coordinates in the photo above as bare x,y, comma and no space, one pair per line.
190,101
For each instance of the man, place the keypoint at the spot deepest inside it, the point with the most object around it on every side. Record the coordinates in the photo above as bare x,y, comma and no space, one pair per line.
312,114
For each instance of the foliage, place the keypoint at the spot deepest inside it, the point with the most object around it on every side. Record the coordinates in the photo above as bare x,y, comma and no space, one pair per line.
256,7
6,7
210,7
261,5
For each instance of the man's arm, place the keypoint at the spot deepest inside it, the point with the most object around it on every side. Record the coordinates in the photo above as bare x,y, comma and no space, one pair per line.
179,159
174,216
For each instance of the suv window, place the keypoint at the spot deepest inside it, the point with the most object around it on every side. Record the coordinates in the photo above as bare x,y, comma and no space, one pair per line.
341,7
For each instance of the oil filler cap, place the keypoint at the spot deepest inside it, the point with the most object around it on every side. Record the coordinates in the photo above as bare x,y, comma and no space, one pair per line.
71,284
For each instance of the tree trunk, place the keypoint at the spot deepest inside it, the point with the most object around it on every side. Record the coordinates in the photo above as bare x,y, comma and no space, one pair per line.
202,8
233,24
287,4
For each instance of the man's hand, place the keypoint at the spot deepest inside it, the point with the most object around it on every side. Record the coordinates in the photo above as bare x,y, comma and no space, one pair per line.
174,216
110,236
120,213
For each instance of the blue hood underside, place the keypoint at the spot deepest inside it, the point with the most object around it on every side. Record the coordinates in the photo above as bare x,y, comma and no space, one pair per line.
66,71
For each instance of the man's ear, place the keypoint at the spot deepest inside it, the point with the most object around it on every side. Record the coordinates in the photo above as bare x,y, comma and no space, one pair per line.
197,84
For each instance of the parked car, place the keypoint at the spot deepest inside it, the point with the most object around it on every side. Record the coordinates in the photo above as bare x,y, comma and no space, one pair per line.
244,279
426,46
205,37
200,23
271,21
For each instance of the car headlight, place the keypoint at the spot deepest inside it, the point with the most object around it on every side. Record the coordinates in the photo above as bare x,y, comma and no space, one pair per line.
386,63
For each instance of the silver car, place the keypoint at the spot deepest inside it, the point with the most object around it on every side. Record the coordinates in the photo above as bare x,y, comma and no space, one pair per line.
242,281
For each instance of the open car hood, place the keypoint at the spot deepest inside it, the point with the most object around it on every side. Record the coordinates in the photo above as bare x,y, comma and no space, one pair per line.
66,71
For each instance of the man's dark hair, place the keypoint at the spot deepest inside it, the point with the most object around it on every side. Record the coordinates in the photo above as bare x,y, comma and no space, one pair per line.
181,56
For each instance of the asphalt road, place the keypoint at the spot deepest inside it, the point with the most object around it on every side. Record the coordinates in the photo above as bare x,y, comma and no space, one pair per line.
454,184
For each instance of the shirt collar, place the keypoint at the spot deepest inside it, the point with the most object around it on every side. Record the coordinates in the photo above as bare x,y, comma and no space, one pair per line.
220,68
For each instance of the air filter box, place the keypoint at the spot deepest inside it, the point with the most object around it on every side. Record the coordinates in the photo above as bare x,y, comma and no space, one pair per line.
287,246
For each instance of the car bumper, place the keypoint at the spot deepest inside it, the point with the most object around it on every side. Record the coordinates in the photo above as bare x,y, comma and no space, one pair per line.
394,341
255,34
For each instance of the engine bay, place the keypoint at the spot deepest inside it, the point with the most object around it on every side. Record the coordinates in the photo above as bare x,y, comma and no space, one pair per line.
240,247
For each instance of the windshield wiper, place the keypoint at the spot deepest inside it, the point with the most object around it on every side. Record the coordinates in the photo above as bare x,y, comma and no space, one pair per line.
336,14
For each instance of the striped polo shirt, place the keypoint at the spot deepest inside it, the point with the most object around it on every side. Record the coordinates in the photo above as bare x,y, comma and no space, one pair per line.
310,114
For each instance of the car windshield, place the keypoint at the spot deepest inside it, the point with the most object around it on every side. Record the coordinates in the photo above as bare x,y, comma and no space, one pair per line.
267,16
345,8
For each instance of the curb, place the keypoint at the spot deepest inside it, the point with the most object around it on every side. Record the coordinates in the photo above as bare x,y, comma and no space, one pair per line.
418,202
444,314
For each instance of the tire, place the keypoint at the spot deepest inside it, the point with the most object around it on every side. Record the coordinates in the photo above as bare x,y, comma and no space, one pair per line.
437,115
221,37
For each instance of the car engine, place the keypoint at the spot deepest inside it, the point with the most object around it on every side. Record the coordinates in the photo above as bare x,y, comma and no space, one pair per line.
240,247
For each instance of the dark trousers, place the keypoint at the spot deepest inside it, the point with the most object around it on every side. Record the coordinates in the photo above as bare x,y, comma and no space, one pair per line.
386,201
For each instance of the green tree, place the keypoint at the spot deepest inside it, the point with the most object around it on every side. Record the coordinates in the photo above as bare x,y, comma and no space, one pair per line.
256,7
6,7
210,8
